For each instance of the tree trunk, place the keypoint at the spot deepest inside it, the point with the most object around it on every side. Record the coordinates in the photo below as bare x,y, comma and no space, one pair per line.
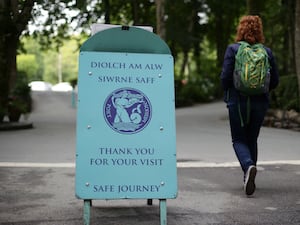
4,69
135,12
8,73
254,7
4,77
220,40
184,64
13,21
288,18
297,44
160,18
11,54
107,11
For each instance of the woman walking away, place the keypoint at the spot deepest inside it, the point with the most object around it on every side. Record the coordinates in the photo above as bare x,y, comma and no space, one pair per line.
249,72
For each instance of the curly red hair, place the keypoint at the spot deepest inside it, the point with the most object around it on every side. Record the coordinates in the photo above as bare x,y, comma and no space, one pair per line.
250,29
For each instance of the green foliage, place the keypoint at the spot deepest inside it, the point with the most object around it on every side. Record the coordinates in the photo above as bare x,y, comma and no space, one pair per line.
66,58
20,95
198,88
286,96
197,31
53,21
223,16
51,67
279,22
30,46
43,65
70,54
28,64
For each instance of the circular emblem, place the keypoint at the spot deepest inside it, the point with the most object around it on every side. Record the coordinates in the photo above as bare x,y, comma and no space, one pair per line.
127,110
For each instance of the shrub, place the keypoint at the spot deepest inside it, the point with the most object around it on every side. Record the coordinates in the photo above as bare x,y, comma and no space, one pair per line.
286,96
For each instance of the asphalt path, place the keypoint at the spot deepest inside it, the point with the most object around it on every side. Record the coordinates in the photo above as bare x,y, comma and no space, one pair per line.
37,173
202,135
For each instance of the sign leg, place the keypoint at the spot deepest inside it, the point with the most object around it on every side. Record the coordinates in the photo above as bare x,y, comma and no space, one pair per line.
163,211
86,212
149,201
73,99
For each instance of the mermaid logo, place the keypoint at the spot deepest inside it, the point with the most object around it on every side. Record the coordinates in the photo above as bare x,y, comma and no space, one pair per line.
127,110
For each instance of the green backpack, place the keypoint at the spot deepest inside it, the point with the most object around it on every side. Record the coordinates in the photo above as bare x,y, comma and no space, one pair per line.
252,69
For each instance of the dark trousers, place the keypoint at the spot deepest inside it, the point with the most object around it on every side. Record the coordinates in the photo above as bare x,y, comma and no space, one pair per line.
245,133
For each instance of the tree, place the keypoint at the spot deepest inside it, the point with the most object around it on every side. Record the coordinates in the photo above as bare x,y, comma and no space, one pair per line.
184,35
28,64
223,18
254,7
30,46
66,60
14,17
160,18
287,16
279,27
179,23
297,44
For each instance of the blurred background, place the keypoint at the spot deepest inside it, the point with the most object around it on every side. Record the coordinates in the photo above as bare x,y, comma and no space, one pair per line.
40,41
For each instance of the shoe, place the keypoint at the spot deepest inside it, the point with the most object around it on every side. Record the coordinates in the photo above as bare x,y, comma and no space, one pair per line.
249,185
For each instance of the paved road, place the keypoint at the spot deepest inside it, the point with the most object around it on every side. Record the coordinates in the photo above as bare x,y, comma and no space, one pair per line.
202,135
41,192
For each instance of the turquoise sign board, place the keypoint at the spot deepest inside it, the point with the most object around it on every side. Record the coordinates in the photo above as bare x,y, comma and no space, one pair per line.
126,136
